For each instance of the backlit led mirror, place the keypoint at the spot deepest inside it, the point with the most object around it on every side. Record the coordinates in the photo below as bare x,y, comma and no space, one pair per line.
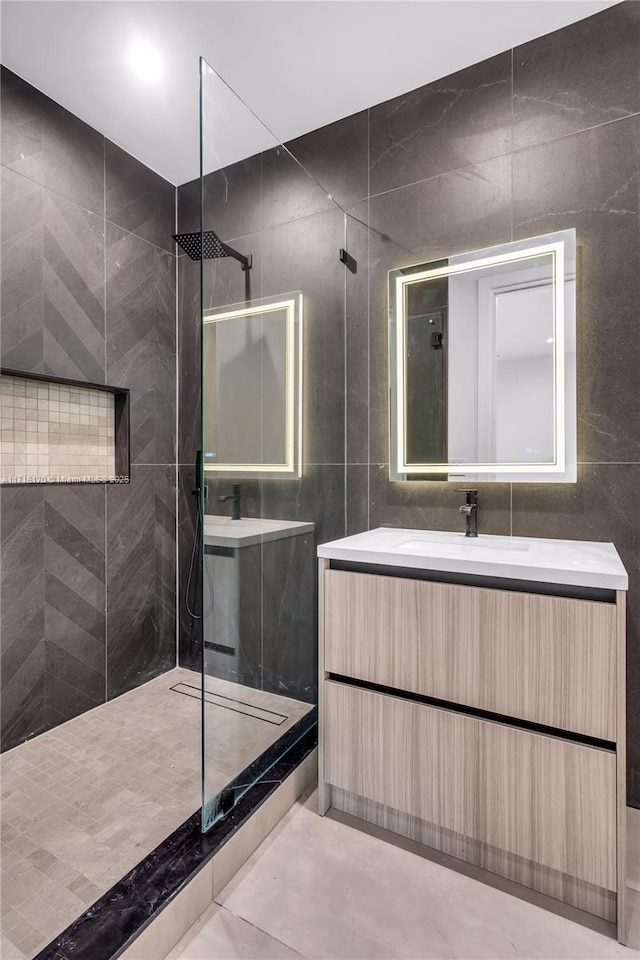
252,388
482,364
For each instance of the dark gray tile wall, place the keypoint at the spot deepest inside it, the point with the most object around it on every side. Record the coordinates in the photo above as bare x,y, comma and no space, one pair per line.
140,538
88,292
544,137
447,125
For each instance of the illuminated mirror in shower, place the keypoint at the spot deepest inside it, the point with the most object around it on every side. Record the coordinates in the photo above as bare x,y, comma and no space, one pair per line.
252,388
482,365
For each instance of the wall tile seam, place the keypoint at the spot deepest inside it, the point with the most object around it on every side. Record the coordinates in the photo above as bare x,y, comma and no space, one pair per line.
258,478
80,206
511,509
438,176
176,438
580,463
106,362
56,193
512,201
345,382
283,223
575,133
511,152
138,237
368,201
512,57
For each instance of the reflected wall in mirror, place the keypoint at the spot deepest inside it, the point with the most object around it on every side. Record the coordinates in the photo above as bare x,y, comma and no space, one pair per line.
252,372
482,365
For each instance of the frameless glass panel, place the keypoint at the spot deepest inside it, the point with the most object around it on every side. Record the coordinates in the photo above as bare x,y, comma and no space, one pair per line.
272,338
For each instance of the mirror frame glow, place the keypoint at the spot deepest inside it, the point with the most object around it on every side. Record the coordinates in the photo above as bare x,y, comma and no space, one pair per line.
563,466
292,465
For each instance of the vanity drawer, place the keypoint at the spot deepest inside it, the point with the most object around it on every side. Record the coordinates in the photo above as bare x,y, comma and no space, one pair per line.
548,801
547,660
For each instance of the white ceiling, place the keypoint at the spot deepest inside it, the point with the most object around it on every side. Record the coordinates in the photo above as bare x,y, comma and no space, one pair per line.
299,64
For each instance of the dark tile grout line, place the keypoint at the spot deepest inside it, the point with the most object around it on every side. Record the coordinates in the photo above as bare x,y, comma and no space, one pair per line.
87,210
106,538
176,446
512,200
496,156
511,509
368,317
385,463
345,383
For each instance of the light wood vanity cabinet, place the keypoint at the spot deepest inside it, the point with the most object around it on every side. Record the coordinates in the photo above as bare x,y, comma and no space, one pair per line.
482,722
550,660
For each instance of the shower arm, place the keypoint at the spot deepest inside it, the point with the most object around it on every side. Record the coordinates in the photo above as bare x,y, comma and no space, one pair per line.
245,262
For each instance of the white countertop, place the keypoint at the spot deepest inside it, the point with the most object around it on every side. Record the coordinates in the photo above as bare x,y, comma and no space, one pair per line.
225,532
570,562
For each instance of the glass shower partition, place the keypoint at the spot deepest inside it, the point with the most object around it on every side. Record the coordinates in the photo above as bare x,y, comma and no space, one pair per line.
273,437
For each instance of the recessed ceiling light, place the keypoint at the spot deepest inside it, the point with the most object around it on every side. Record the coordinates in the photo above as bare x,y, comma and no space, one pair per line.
146,60
549,339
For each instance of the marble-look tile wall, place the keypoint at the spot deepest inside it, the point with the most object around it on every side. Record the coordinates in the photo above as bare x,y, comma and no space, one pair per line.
88,293
543,137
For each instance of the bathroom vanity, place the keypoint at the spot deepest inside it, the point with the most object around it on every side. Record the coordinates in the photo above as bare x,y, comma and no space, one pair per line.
259,603
472,698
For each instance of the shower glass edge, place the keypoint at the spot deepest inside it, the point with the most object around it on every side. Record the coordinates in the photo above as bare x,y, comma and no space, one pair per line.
266,334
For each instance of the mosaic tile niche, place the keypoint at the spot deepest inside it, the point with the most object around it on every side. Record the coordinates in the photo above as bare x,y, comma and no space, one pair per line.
53,432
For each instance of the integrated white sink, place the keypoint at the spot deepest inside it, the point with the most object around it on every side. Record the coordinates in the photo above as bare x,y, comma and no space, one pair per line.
568,562
458,545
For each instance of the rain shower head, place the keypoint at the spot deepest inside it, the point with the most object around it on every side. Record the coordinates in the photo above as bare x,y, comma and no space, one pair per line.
209,246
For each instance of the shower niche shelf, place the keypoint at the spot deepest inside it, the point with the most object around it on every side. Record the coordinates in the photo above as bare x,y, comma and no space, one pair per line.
56,430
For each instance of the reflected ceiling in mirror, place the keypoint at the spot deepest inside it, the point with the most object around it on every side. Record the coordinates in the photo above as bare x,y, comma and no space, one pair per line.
482,364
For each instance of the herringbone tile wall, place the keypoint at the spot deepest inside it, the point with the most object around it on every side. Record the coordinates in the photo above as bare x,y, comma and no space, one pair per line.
88,292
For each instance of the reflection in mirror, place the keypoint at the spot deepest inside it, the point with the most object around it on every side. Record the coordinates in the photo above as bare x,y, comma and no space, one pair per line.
482,364
253,388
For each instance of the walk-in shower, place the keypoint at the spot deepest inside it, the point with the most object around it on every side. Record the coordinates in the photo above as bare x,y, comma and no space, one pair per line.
103,773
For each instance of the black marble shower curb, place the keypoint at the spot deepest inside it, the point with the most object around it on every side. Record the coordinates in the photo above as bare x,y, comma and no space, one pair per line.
112,923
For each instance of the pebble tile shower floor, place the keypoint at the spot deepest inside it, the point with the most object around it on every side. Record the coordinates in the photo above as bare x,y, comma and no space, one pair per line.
86,801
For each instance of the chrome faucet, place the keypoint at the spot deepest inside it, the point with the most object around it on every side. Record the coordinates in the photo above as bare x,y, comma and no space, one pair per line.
235,497
470,511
